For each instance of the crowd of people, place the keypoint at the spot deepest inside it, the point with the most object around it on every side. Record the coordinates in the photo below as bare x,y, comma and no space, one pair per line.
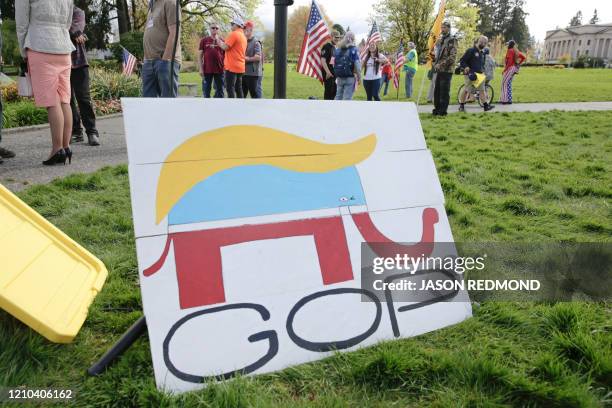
232,66
344,68
52,42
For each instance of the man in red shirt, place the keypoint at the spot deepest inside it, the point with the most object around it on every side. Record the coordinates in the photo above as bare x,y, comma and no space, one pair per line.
211,63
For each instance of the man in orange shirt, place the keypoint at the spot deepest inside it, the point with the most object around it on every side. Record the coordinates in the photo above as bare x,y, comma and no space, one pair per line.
235,48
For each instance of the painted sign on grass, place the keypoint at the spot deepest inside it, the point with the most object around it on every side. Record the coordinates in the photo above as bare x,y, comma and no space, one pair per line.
249,219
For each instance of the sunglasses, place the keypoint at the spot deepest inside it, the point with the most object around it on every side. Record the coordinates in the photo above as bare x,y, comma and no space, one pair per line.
214,28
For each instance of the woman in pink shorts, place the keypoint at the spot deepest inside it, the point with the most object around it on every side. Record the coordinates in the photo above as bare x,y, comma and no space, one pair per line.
44,41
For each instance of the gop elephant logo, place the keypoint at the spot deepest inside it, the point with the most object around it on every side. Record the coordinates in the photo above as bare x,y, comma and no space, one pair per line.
195,192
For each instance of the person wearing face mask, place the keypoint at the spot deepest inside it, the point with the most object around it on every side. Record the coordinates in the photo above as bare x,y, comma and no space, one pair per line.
473,63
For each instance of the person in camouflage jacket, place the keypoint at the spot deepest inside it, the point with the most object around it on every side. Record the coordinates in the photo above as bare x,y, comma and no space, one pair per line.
444,65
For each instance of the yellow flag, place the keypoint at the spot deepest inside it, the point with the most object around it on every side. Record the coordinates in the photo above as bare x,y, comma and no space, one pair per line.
435,33
480,78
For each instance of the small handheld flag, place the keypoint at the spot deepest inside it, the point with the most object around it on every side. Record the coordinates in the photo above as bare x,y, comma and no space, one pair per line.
129,62
400,59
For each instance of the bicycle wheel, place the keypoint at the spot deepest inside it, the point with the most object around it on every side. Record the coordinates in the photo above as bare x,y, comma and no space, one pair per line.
459,93
490,94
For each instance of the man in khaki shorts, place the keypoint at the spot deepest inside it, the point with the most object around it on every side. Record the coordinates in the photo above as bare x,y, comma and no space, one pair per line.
472,63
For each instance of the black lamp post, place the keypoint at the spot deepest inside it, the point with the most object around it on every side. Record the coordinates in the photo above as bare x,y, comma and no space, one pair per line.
280,48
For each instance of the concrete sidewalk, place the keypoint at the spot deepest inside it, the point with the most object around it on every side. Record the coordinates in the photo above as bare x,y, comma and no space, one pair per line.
529,107
32,145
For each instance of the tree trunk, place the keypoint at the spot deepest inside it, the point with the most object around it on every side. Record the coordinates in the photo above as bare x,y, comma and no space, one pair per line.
123,16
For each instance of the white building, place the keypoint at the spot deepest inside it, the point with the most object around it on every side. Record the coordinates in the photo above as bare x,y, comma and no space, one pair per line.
589,39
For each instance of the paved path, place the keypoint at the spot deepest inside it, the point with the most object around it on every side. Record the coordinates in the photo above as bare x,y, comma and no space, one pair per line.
33,145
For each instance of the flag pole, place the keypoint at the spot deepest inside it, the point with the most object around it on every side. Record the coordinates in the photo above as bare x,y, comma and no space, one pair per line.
421,88
428,35
399,81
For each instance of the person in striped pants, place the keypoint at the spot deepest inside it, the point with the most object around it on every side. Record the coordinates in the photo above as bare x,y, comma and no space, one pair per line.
514,59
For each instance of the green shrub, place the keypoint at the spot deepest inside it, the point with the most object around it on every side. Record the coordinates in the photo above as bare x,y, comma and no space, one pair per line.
106,85
109,65
132,42
584,61
9,93
23,113
10,46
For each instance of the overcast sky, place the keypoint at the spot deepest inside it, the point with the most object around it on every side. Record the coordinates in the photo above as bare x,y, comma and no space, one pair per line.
543,14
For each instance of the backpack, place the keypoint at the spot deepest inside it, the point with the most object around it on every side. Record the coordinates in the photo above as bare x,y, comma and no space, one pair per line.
343,64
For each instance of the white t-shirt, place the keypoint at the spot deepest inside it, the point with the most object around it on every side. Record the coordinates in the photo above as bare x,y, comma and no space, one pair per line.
370,66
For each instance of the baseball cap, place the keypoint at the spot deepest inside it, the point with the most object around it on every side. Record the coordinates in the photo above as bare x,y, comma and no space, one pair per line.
237,21
249,24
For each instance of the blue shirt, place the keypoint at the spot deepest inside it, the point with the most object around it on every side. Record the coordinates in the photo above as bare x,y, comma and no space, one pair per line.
473,59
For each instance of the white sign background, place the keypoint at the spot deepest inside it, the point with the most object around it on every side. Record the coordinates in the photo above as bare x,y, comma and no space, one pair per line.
399,181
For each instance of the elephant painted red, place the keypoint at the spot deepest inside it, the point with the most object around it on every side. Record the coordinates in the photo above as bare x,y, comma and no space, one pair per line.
198,263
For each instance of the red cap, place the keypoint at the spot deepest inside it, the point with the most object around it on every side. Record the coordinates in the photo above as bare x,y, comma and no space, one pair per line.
249,24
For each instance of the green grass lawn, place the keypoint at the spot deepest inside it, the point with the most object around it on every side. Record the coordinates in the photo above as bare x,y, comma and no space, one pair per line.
533,84
520,177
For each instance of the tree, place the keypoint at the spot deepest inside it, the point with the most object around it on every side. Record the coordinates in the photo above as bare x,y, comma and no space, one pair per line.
516,29
219,8
297,27
7,8
495,15
485,17
123,16
98,21
595,18
408,20
268,42
464,18
10,46
576,20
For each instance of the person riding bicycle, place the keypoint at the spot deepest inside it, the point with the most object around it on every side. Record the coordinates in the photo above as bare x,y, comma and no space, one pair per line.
472,64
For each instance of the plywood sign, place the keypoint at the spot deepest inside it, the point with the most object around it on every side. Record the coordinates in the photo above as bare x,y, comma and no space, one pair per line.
249,219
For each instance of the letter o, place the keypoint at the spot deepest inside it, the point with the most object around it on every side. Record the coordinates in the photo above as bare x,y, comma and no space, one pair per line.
269,335
322,347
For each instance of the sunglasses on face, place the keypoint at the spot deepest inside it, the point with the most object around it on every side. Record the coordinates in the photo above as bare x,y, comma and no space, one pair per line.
214,28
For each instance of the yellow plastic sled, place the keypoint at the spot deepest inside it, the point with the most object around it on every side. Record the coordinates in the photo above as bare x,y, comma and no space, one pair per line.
47,280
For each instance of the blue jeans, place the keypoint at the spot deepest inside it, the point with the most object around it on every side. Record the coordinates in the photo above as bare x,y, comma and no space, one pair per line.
409,77
207,84
156,79
346,88
260,87
372,88
385,80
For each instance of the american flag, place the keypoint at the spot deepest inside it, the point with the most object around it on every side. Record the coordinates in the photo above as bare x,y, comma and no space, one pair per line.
399,64
316,35
374,37
129,62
